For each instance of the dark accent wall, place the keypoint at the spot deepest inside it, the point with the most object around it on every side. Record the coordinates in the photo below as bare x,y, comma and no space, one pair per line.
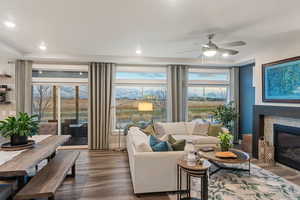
247,99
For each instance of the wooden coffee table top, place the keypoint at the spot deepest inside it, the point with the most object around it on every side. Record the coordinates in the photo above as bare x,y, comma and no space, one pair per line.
241,156
198,167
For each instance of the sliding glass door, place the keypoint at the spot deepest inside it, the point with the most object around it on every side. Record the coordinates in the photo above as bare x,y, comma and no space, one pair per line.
62,109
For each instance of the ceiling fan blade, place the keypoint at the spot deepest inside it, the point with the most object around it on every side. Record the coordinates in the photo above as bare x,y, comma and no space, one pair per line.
188,51
205,45
234,44
229,51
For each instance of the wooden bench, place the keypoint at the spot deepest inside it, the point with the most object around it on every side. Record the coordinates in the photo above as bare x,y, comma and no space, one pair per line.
45,183
5,191
7,188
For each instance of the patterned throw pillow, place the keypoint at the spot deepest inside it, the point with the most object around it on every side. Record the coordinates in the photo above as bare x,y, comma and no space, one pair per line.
201,129
158,145
149,130
215,129
177,145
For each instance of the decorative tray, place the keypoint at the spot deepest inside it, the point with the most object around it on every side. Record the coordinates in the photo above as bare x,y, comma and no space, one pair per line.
8,147
207,149
226,154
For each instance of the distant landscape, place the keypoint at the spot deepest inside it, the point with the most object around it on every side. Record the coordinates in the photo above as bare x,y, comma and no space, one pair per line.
127,99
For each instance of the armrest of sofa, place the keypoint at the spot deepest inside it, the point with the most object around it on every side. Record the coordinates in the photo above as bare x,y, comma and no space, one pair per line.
160,168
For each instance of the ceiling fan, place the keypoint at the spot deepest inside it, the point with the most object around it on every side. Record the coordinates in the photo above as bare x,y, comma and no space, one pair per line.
211,49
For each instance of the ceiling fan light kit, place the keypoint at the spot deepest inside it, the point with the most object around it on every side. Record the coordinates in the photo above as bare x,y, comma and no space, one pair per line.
210,52
211,49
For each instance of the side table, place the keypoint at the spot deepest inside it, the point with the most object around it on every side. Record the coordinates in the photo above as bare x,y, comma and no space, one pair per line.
198,171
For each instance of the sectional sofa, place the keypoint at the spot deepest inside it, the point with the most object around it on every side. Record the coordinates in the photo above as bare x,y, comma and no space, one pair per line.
156,171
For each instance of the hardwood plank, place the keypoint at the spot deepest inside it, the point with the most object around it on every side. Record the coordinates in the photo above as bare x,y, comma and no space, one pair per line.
102,175
19,165
45,183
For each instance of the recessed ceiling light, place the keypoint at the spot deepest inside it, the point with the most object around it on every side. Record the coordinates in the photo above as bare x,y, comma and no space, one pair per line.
9,24
43,47
138,51
225,55
80,73
40,71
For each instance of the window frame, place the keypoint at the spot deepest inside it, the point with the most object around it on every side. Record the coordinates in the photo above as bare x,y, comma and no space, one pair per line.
136,83
208,83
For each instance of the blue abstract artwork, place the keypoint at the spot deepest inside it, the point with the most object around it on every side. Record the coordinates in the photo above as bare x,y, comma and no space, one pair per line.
282,82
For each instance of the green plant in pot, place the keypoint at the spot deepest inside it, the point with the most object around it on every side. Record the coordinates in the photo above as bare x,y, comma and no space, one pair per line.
19,128
226,140
226,114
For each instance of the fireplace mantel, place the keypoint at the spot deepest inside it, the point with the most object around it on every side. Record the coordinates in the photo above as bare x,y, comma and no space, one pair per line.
259,113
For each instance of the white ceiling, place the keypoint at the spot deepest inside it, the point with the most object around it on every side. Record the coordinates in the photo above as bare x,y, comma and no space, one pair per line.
161,28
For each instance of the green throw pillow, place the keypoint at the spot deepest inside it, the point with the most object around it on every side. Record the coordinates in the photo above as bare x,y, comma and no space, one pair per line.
214,129
149,130
177,145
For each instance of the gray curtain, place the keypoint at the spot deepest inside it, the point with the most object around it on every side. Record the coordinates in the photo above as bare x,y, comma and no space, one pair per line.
100,98
234,96
178,89
23,86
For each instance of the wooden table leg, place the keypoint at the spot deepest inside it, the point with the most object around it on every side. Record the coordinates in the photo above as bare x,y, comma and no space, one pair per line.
21,182
204,187
74,170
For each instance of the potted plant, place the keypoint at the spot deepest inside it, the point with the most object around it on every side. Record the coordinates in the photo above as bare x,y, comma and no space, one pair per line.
226,114
19,128
226,140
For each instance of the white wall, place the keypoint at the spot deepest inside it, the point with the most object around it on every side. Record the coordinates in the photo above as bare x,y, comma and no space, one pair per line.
284,47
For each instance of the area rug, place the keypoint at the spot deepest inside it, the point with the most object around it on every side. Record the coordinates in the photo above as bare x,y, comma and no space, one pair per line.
262,184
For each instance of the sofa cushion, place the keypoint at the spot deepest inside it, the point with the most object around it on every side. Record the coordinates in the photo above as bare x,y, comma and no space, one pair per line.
171,128
201,128
198,139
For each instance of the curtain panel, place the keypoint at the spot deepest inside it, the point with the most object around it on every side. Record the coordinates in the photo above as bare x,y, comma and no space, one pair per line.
178,91
100,98
235,96
23,86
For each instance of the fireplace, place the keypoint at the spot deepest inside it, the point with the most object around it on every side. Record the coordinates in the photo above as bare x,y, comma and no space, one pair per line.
287,145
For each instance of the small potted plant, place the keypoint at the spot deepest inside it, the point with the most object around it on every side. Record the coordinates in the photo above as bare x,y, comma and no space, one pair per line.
19,128
225,141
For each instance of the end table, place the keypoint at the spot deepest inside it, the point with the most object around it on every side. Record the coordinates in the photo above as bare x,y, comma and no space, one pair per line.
198,171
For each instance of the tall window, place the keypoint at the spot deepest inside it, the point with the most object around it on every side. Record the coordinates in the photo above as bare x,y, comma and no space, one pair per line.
140,95
207,88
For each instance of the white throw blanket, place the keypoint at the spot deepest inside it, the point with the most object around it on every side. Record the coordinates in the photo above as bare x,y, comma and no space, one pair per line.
8,155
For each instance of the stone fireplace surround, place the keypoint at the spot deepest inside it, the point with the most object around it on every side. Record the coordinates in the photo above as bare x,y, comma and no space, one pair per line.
265,116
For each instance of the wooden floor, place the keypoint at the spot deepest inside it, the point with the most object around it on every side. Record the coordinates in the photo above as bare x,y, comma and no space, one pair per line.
106,176
103,176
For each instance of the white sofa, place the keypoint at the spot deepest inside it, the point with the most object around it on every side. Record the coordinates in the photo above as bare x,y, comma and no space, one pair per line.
157,171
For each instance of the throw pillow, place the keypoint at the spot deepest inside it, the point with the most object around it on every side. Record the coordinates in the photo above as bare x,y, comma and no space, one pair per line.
143,147
201,129
159,129
149,130
158,145
214,130
177,145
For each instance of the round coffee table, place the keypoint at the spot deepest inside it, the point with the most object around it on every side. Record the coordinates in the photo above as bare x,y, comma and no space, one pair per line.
198,171
220,163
